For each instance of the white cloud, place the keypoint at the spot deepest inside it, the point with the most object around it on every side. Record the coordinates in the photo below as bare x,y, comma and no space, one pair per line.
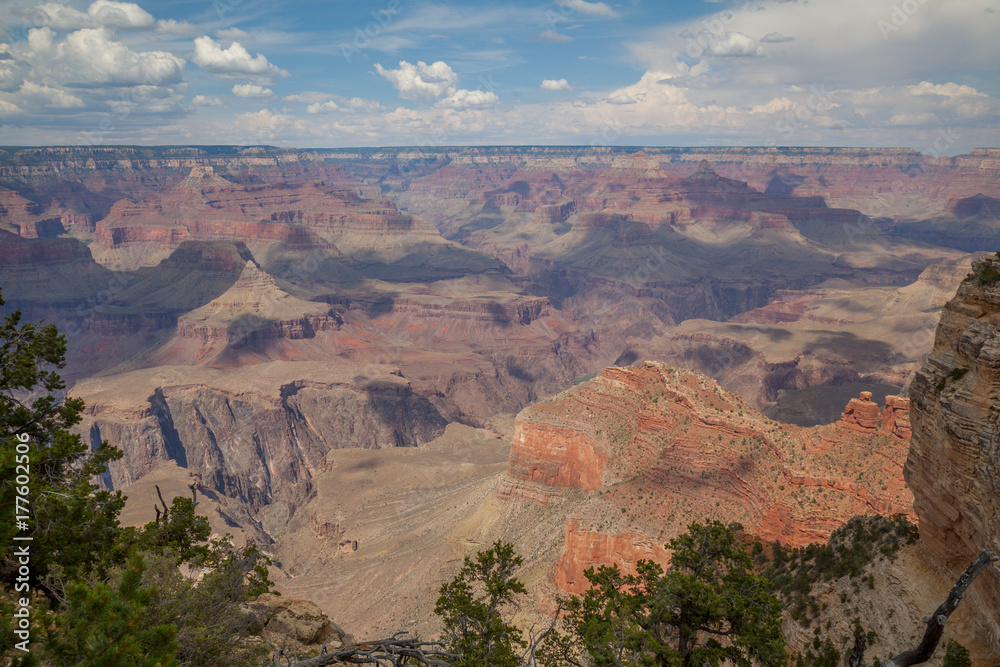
468,99
307,96
599,9
551,37
172,27
556,85
945,90
48,97
361,104
101,13
251,90
233,33
235,60
259,127
421,81
925,118
775,38
733,45
320,107
621,98
838,43
9,108
204,101
123,15
94,56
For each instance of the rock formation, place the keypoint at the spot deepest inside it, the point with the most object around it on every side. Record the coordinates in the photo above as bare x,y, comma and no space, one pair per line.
660,447
954,462
584,549
861,414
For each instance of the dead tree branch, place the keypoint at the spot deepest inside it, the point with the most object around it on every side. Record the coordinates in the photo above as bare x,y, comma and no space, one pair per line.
157,507
935,624
535,639
394,651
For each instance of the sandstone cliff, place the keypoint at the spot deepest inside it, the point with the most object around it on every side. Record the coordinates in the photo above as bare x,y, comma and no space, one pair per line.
656,447
954,462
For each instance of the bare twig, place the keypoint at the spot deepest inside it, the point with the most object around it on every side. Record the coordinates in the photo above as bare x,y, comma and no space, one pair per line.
393,651
160,495
535,639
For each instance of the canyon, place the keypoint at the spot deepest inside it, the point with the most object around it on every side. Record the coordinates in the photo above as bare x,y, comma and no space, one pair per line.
374,362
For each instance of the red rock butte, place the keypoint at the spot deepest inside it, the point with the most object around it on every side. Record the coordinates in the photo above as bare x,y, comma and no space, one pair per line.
861,414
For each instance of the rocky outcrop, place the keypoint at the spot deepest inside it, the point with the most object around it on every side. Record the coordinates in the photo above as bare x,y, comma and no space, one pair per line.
255,309
954,462
657,446
556,456
584,549
896,416
861,414
257,434
297,624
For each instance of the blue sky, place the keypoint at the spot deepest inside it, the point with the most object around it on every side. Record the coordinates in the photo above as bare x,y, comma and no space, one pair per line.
916,73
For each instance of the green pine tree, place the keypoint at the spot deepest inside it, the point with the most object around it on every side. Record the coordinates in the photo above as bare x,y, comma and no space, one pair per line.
473,604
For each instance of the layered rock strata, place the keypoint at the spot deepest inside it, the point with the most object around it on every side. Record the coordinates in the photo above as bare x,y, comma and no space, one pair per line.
662,446
954,462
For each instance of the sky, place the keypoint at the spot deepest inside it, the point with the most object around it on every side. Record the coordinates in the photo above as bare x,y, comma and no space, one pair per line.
921,74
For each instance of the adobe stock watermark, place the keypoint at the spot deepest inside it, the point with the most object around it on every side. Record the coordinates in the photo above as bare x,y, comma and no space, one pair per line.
37,18
799,115
898,17
123,107
22,551
438,137
363,36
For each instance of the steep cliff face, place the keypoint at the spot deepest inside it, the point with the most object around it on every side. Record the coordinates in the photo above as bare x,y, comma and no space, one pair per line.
584,549
954,462
256,434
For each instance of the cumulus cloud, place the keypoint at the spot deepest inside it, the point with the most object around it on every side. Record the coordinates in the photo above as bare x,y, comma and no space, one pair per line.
733,45
621,98
48,97
205,101
251,90
551,37
307,96
361,104
232,61
599,9
172,27
94,56
556,85
944,89
122,15
421,81
101,13
468,99
233,33
321,107
829,46
261,127
775,38
914,119
85,76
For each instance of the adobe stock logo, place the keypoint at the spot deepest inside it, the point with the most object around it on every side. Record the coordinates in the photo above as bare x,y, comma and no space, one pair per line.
898,17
